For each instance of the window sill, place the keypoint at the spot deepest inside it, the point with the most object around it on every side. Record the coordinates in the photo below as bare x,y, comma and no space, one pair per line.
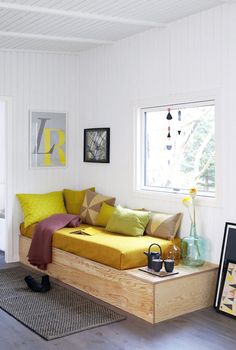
213,202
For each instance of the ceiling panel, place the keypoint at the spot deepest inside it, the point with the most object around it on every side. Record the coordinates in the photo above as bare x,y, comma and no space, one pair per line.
153,10
26,24
42,45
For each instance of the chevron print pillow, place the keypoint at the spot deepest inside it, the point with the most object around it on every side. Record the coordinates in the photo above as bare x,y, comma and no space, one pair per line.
91,206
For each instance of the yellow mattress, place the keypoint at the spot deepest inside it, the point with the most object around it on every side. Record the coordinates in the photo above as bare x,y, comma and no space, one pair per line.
118,251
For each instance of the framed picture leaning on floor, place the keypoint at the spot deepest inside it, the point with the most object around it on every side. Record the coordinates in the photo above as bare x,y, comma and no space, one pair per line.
227,300
228,254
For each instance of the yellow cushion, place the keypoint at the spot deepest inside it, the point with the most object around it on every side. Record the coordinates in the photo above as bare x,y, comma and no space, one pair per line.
118,251
37,207
74,200
128,222
104,215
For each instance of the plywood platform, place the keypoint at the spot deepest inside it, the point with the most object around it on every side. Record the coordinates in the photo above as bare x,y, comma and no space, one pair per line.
151,298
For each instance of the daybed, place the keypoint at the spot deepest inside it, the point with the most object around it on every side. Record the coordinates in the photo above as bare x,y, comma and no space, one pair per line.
104,265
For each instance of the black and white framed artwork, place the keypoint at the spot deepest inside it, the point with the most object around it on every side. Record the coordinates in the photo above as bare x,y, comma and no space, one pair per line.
97,145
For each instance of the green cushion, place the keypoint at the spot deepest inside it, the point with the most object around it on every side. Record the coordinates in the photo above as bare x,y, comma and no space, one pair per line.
37,207
128,222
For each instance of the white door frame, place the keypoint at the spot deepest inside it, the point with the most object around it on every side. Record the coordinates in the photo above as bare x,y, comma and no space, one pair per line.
9,252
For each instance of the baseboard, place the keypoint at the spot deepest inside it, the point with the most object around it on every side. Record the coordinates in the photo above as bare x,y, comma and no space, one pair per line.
12,259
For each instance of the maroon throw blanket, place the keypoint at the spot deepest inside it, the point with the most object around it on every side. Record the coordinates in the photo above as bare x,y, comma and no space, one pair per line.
40,252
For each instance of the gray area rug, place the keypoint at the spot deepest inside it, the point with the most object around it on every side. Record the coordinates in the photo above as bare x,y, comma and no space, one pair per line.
53,314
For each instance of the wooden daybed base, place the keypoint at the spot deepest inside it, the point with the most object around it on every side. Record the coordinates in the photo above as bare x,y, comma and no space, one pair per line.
149,297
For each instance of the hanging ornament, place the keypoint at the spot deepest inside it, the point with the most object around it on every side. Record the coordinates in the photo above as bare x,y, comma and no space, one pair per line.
179,119
169,116
179,116
169,143
168,135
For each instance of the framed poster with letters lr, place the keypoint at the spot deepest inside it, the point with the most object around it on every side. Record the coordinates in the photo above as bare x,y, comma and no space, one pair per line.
228,253
97,145
48,139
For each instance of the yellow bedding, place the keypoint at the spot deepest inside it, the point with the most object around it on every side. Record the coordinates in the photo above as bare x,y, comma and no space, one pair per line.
118,251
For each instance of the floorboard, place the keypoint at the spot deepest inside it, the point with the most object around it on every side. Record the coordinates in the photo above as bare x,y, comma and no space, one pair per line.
201,330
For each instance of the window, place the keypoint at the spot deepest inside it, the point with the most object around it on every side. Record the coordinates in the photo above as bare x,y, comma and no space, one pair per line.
178,148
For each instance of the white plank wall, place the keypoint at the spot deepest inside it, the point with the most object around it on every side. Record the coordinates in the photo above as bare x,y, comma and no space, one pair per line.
191,56
42,82
100,88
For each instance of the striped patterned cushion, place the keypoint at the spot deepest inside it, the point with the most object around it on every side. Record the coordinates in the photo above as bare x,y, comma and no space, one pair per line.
163,225
91,206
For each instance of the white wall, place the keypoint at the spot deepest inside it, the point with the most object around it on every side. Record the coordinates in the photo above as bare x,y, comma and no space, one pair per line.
102,86
43,82
196,54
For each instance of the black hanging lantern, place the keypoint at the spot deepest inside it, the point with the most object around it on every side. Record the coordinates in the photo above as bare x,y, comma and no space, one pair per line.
179,116
168,135
169,116
169,145
179,120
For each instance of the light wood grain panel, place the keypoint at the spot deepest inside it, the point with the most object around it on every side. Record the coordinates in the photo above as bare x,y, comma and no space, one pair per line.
184,295
113,286
183,270
149,297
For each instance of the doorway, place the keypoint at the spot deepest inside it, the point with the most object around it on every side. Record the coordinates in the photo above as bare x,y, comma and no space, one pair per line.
5,179
2,175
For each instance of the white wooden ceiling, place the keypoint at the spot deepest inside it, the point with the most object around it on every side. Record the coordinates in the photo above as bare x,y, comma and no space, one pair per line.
75,25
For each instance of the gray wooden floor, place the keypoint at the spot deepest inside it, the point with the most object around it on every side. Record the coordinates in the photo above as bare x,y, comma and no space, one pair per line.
201,330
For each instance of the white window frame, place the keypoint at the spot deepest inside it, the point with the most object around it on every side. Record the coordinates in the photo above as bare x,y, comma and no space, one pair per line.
139,107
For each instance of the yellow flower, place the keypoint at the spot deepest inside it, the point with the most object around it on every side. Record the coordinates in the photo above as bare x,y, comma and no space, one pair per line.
192,192
187,201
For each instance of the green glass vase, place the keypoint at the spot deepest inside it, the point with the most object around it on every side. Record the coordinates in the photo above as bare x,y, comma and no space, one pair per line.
193,248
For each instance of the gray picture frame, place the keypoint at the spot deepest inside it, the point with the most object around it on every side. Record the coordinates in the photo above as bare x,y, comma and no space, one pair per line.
47,139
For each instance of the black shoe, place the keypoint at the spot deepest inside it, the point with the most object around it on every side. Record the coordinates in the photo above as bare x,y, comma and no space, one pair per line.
45,284
32,284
